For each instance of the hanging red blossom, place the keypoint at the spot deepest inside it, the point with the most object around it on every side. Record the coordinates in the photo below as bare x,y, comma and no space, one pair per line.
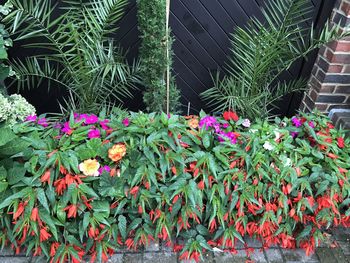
230,115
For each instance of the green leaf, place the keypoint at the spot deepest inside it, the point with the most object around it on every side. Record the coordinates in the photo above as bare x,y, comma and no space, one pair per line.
206,140
6,135
122,226
87,190
16,174
42,199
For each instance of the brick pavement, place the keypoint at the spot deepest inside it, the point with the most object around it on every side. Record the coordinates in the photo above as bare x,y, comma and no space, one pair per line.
335,250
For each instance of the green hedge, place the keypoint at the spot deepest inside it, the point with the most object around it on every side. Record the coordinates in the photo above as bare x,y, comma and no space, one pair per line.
151,23
91,185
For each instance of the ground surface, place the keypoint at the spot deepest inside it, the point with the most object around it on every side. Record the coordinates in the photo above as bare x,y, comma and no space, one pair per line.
337,249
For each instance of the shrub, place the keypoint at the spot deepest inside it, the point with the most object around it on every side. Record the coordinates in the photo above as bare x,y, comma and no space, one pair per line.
91,184
14,109
153,55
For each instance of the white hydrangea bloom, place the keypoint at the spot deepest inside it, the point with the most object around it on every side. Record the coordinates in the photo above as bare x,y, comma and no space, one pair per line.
14,108
20,107
5,108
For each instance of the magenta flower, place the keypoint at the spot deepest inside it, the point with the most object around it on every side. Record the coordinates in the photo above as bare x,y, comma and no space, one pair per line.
296,122
225,125
31,118
207,121
94,133
91,119
104,168
126,122
43,122
294,134
66,128
311,124
104,124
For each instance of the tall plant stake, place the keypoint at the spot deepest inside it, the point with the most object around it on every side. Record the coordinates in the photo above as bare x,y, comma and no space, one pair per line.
167,56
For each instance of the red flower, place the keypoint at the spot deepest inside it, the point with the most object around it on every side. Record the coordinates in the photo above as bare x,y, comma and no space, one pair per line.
35,214
230,115
72,210
176,197
195,256
46,177
19,211
140,210
44,235
60,186
53,248
340,141
134,191
212,225
201,185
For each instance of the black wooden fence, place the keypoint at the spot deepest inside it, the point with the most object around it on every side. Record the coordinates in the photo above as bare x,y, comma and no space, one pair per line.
202,29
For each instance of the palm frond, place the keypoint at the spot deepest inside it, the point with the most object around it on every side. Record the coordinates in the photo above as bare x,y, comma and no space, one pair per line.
32,71
262,51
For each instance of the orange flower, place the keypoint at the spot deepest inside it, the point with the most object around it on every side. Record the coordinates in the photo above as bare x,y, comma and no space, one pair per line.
193,123
117,152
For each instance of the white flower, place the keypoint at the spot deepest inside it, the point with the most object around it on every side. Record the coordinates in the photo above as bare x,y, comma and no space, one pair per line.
246,123
277,135
5,108
288,162
268,146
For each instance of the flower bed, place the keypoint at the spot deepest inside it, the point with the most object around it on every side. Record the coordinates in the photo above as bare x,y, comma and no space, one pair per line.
91,185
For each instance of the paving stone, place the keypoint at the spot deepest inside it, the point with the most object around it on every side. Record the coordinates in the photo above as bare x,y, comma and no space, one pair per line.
341,234
14,260
164,257
298,255
240,257
208,257
331,255
38,260
132,258
153,246
7,252
345,247
274,255
253,242
258,256
116,258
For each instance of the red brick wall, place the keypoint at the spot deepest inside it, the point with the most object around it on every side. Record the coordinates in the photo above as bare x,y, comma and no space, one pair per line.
329,84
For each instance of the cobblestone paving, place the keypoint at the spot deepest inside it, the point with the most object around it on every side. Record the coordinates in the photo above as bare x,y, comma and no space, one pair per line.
335,250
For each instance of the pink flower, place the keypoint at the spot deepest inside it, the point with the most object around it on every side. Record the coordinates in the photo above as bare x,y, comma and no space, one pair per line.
94,133
31,118
311,124
66,128
43,122
91,119
296,122
126,122
104,124
104,168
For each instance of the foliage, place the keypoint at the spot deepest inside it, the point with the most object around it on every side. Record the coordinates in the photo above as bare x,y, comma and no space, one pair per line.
77,50
153,55
5,42
262,51
14,109
91,184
